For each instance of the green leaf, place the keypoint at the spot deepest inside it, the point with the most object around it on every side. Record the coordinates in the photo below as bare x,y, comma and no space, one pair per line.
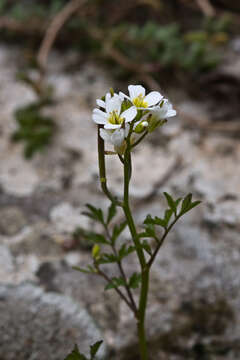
94,348
146,247
95,213
160,222
117,230
95,237
85,271
171,202
193,204
135,280
107,258
75,355
149,229
112,210
149,221
96,251
167,216
187,204
125,251
115,283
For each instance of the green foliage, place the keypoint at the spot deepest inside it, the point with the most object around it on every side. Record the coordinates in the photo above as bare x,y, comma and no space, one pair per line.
24,10
76,355
112,210
94,213
186,205
34,129
135,280
117,230
115,283
168,46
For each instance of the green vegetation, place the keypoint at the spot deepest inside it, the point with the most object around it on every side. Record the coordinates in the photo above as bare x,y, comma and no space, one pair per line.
34,129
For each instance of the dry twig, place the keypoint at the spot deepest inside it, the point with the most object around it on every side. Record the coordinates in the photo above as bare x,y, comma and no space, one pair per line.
206,7
54,28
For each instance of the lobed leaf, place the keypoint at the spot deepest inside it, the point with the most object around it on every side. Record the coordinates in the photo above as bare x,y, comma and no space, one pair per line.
94,348
125,251
170,201
95,237
94,213
76,355
187,204
146,247
117,230
112,210
135,280
115,283
106,258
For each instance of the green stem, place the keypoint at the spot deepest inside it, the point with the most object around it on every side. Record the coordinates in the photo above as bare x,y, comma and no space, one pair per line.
102,169
141,314
126,208
144,268
139,140
160,242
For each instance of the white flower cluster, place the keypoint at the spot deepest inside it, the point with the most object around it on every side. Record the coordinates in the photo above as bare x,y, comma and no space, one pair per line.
118,110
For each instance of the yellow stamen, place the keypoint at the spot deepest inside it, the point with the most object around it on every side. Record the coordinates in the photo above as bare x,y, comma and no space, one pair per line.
139,101
115,119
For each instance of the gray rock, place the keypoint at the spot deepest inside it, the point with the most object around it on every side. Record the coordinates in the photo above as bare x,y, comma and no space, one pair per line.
37,325
12,220
38,240
6,263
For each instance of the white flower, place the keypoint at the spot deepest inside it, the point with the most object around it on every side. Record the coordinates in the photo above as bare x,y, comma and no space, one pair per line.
101,103
163,111
112,118
138,98
115,137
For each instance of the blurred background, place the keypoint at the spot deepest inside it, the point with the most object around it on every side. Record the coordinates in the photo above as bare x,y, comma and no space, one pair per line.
56,58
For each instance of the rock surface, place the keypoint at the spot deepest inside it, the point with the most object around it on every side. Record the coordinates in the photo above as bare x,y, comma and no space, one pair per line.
194,296
36,325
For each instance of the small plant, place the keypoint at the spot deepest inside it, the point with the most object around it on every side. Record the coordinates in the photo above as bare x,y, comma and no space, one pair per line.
193,51
124,121
34,129
76,355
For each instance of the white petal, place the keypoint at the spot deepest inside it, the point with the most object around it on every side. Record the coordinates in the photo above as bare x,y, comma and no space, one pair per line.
100,103
117,137
107,97
135,91
171,113
111,126
126,131
123,96
129,114
153,98
99,116
105,135
114,104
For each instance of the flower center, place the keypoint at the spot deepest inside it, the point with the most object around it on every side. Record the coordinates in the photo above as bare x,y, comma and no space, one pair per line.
139,101
114,118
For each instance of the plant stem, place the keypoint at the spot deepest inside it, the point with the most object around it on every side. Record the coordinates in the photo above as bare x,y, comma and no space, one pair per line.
141,314
126,208
160,242
109,281
102,170
140,254
139,140
122,272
